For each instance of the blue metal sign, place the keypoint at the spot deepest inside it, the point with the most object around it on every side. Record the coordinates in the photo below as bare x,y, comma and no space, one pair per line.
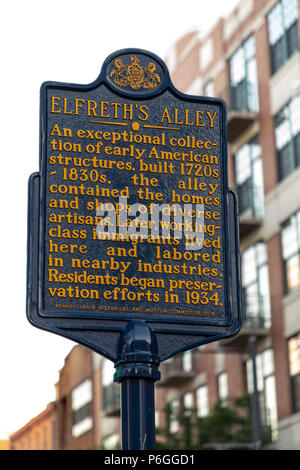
130,215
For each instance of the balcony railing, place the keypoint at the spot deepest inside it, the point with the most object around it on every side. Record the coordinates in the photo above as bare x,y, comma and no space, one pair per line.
251,200
242,101
243,97
251,208
173,374
111,399
255,312
256,321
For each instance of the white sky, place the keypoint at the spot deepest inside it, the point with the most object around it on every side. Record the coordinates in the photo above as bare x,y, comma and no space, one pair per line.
60,40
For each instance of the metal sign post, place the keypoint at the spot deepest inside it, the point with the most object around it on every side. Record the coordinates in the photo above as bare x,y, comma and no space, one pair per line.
132,230
137,370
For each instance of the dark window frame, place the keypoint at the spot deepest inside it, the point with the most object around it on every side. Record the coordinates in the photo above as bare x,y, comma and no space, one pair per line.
285,46
82,413
243,95
292,146
295,408
264,319
249,182
85,410
287,289
224,402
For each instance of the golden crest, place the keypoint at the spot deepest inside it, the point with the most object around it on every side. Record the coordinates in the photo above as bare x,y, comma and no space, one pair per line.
135,75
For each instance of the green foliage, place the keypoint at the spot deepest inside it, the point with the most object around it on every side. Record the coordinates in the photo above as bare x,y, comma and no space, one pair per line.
227,425
224,424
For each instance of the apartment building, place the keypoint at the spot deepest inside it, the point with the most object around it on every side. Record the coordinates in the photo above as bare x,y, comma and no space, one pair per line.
251,59
38,434
88,402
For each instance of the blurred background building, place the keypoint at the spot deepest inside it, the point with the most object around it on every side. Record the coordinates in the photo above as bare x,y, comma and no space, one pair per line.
4,444
88,402
38,434
250,59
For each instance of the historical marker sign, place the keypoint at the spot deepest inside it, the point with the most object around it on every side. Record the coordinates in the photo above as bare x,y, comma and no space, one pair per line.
130,216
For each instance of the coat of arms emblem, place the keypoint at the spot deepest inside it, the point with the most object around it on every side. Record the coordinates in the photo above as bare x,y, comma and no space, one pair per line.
135,75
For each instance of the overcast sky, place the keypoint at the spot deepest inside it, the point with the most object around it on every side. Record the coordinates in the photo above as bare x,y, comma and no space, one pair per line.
60,40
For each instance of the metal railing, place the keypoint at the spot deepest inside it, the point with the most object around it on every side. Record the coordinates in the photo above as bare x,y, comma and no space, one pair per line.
242,96
255,311
111,398
171,369
251,198
168,369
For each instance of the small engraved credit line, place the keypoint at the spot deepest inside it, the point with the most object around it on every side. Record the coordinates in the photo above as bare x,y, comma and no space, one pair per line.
161,127
113,123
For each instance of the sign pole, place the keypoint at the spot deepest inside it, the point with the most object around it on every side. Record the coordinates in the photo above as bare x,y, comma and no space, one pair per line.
136,371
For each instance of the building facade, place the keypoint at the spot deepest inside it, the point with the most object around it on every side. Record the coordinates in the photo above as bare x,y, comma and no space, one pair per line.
4,444
88,404
38,434
85,414
251,59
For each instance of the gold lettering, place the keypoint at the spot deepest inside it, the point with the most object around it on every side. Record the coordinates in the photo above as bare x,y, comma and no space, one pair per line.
78,104
211,118
54,102
199,116
166,116
65,107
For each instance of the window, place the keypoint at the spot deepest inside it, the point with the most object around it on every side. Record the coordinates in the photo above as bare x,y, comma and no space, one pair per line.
255,284
111,442
249,178
223,388
202,401
62,436
243,77
80,414
157,419
188,403
187,361
209,88
110,389
290,239
174,416
107,372
287,137
294,363
81,408
282,26
266,388
206,54
195,87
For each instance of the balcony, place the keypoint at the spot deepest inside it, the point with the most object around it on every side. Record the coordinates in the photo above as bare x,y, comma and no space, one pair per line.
111,399
242,104
173,374
251,208
255,322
